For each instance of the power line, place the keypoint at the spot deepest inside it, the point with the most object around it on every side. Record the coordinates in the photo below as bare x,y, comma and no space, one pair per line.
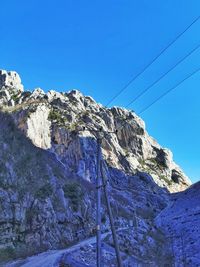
162,76
168,91
150,105
151,62
159,98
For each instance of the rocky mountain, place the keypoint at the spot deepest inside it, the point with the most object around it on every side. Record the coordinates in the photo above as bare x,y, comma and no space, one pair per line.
47,181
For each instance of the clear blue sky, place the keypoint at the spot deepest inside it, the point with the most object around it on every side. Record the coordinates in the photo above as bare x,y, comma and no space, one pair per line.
96,47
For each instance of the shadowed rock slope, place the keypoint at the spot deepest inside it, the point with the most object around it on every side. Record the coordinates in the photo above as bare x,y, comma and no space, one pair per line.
180,222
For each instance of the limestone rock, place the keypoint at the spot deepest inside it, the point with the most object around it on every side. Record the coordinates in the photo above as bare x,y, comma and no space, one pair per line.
37,93
53,95
10,79
38,127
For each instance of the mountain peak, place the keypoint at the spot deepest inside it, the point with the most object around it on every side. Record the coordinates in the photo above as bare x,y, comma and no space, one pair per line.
10,79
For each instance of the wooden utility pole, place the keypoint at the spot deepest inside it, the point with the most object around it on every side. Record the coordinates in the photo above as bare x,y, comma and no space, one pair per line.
117,251
173,253
136,228
184,258
98,187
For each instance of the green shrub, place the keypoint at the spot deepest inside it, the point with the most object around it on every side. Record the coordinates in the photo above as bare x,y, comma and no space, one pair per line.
56,116
44,192
20,251
74,192
73,126
7,253
15,97
30,214
141,161
103,219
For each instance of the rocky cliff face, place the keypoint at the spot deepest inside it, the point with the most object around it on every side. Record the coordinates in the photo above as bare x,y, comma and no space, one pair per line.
48,169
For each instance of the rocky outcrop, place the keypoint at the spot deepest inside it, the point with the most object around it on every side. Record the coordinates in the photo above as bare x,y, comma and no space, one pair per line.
38,127
48,158
10,87
10,80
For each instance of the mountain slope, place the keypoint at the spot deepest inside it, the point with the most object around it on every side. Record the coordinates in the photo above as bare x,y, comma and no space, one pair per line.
180,222
48,170
49,120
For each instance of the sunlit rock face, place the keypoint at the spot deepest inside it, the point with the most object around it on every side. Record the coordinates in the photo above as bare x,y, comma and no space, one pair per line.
48,169
10,87
38,127
10,79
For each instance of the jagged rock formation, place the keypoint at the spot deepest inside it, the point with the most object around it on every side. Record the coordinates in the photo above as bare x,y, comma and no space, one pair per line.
11,87
10,80
48,169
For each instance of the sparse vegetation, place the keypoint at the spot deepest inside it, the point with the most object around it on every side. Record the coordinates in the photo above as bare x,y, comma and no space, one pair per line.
7,253
20,251
73,126
30,214
44,192
103,219
15,97
164,178
74,192
56,116
141,161
127,153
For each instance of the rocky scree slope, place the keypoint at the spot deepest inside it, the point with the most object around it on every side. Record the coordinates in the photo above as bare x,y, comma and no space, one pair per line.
48,170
